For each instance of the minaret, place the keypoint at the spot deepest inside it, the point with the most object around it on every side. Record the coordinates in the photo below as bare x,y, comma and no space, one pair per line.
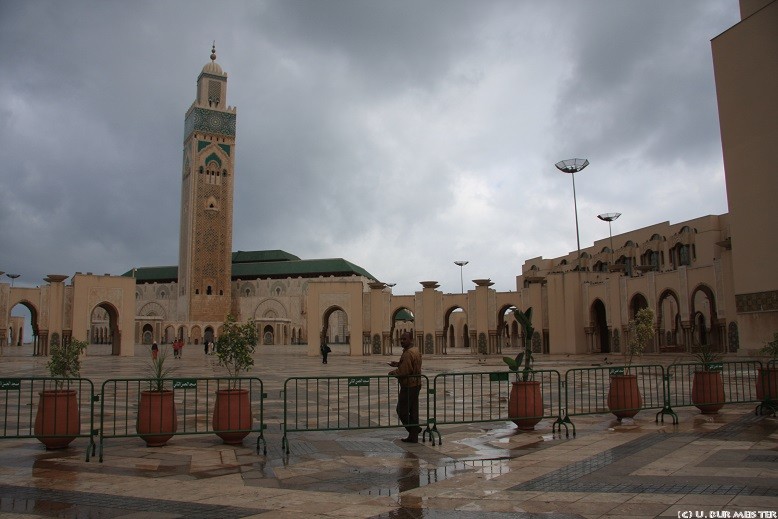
205,250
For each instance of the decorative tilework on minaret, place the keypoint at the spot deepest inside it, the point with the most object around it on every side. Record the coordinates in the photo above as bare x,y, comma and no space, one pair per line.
205,250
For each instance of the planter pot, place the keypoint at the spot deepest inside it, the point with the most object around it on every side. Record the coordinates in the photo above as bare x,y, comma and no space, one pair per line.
57,421
157,420
767,384
525,404
232,419
708,391
624,398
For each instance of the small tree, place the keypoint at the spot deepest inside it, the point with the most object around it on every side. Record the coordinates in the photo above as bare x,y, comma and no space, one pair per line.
234,348
65,360
158,372
704,353
771,348
641,334
525,357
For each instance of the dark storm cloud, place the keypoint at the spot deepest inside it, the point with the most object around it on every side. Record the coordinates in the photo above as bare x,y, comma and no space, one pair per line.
642,79
399,135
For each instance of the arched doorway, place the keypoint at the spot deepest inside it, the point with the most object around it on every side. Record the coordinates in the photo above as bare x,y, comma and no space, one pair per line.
340,322
668,320
147,334
26,329
455,321
268,335
504,331
706,325
637,303
599,321
402,321
107,320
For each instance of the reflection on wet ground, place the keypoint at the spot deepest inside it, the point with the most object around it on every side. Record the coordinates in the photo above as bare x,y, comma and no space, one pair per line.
633,468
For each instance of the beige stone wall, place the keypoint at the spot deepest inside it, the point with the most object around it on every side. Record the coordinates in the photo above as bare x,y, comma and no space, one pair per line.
746,71
567,302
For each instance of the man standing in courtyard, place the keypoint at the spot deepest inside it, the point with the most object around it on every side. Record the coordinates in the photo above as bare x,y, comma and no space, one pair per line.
408,375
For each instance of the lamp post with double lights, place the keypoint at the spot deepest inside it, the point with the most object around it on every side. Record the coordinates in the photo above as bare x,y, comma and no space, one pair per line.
609,217
573,166
461,264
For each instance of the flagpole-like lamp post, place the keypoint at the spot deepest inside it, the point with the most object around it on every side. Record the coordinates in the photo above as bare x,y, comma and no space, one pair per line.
573,166
609,217
13,277
461,264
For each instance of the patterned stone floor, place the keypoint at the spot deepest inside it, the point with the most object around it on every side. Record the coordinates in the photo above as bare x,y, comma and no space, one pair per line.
720,465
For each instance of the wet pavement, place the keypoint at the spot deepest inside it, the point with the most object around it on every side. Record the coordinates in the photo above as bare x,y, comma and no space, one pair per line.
705,466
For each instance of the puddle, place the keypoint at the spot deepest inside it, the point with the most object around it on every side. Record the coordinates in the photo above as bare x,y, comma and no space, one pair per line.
412,478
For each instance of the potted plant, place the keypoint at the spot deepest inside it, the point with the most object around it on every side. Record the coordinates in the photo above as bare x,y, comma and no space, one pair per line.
525,404
624,399
708,383
57,420
157,420
232,418
767,377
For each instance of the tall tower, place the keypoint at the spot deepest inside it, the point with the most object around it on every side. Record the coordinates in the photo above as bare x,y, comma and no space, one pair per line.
205,250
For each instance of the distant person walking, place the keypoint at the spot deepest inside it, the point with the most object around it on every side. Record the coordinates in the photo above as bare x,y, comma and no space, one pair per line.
325,350
154,350
177,345
408,376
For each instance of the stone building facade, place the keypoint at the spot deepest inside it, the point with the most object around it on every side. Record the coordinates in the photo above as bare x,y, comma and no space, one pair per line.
709,280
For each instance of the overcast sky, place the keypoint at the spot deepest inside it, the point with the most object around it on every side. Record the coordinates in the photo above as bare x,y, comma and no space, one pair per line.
399,135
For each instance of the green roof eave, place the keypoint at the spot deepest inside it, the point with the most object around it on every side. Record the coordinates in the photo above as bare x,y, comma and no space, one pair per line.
300,268
261,256
153,274
262,264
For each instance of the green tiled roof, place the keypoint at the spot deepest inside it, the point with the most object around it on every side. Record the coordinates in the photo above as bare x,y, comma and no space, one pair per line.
153,274
299,268
262,265
262,255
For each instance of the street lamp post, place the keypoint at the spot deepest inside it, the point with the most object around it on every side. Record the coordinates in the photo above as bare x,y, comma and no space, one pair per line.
609,217
461,264
13,276
573,166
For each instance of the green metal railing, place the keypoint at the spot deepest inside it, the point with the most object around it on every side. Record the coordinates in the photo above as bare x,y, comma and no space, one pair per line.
194,400
20,408
369,402
587,390
768,386
460,398
738,381
347,403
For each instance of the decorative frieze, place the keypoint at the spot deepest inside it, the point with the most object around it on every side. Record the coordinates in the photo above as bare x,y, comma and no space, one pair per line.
757,302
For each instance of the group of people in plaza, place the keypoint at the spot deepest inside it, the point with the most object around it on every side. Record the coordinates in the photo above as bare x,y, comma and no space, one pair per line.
178,347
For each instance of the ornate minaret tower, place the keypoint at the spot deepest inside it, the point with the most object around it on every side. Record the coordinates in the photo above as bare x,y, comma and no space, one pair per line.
205,253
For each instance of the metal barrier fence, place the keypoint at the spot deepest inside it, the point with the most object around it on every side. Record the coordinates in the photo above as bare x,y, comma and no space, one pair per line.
341,403
195,400
588,391
767,388
460,398
26,415
369,402
730,383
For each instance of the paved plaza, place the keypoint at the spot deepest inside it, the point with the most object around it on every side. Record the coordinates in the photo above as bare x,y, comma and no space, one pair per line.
724,465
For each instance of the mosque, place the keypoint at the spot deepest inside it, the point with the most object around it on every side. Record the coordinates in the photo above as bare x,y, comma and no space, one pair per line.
712,279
